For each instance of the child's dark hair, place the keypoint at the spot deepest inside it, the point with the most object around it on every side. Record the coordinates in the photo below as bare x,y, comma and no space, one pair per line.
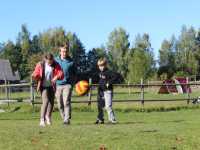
49,56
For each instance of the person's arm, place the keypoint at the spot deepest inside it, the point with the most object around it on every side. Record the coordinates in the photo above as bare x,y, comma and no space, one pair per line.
95,77
36,75
111,78
58,73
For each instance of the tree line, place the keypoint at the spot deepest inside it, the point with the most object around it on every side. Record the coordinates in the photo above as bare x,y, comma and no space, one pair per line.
178,56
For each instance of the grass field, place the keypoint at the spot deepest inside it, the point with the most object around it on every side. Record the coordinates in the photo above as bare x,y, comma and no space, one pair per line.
173,130
154,126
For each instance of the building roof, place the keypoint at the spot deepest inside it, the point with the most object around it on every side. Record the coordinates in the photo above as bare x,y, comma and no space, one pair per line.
6,71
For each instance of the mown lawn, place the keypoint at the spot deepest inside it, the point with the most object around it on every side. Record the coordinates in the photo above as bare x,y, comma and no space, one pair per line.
173,130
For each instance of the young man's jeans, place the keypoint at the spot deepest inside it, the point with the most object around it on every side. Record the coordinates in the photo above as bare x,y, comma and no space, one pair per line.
63,96
47,103
105,100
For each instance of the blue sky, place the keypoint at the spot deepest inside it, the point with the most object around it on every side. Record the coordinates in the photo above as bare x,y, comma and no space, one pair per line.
94,20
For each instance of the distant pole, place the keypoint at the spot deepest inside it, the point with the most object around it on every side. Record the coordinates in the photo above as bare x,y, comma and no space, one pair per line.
31,92
188,90
195,80
6,91
142,92
90,92
129,88
9,91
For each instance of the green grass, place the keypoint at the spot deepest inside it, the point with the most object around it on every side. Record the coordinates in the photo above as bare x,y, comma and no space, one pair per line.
180,130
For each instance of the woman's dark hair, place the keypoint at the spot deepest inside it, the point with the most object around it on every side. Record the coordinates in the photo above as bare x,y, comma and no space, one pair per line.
48,56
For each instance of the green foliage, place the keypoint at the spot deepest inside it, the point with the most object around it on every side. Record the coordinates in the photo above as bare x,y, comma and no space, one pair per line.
13,53
50,39
141,63
33,60
181,56
27,51
77,52
185,51
177,56
93,57
118,46
167,53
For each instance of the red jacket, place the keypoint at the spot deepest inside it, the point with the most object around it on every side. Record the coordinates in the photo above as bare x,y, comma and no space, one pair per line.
38,74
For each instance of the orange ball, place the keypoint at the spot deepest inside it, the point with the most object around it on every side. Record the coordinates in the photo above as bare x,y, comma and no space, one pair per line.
82,87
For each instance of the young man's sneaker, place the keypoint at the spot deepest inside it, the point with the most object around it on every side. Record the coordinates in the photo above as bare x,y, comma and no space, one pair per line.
42,123
99,122
48,121
113,121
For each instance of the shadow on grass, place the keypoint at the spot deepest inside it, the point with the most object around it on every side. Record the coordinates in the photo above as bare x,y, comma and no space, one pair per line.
20,119
176,121
108,123
131,122
149,131
15,109
127,123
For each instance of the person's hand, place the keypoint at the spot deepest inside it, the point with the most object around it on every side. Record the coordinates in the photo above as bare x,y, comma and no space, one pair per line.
54,79
107,85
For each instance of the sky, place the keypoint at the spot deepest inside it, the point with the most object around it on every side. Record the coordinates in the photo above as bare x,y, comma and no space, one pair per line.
93,21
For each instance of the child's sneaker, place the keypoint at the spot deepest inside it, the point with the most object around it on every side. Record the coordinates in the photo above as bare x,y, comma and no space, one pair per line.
42,123
99,121
66,122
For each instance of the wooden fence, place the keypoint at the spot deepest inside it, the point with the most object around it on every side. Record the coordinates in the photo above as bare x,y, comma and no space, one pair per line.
88,100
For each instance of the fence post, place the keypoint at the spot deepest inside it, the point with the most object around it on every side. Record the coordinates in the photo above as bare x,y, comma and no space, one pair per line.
9,91
142,92
31,92
188,90
6,92
90,92
129,88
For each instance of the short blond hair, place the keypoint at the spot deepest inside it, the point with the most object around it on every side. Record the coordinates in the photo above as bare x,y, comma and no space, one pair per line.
102,62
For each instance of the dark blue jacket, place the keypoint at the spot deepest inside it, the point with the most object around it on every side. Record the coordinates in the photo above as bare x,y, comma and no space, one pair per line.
106,80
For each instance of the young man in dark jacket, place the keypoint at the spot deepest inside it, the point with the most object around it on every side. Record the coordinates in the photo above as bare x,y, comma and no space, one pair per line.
105,92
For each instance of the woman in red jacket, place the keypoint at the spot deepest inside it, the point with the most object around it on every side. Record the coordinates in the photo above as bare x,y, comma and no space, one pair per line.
46,73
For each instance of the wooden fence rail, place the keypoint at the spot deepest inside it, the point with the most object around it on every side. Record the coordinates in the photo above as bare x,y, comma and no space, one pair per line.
89,100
